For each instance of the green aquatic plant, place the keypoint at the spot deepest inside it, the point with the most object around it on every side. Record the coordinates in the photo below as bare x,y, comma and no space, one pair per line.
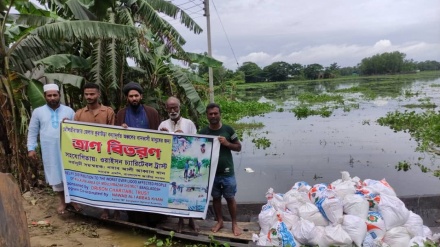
403,165
159,242
320,98
424,127
262,142
303,111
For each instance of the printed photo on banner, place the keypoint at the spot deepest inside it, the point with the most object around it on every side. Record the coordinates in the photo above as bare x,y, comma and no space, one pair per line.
137,169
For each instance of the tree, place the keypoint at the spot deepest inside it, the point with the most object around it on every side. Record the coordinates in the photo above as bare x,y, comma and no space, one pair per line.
385,63
278,71
332,71
428,65
313,71
252,72
297,70
101,34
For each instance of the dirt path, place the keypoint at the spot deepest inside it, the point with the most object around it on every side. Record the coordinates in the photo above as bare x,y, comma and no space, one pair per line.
47,228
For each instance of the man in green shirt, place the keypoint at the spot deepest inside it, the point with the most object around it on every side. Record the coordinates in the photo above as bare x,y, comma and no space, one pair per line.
224,183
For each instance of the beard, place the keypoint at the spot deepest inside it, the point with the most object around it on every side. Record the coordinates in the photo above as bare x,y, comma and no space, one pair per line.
53,103
174,115
134,103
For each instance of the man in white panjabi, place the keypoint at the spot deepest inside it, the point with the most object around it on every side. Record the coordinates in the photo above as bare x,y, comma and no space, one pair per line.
45,122
178,124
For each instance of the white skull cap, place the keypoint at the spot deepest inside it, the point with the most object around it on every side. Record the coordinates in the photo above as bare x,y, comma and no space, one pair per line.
49,87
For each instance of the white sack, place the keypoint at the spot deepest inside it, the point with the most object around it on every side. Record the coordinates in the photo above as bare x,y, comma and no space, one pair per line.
331,208
382,187
318,237
335,235
375,225
311,213
393,211
414,225
356,205
303,231
288,218
355,227
427,232
397,237
266,218
301,186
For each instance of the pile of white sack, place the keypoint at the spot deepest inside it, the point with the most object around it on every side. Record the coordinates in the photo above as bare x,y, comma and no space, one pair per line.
346,212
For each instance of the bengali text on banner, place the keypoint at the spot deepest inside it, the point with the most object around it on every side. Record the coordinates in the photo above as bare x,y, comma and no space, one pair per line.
135,169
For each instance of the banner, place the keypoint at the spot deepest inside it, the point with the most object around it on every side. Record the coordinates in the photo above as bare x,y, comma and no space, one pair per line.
136,169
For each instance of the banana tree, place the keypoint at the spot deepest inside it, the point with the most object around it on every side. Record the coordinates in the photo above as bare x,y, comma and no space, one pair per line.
30,35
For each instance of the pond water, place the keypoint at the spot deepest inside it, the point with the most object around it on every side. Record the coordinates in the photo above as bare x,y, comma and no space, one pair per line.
317,149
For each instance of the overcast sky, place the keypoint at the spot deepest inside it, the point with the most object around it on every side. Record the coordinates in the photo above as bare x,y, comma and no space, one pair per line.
315,31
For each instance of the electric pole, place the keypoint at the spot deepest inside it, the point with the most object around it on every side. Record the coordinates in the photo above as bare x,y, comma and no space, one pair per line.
210,74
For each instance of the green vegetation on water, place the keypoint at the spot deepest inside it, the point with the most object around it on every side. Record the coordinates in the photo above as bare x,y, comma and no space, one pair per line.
424,127
320,98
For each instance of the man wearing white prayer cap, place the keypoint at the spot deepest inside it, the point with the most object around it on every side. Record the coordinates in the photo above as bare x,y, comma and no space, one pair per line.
45,121
51,87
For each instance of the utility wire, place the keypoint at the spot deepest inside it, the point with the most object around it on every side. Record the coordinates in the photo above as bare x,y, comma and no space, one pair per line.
227,38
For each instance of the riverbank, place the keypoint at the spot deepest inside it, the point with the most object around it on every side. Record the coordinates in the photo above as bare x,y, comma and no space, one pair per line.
48,228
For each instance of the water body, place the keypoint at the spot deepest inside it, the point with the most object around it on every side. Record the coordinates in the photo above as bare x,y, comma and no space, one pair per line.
317,149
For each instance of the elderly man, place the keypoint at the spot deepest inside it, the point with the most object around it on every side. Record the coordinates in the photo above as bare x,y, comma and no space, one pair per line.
45,121
179,124
176,123
95,112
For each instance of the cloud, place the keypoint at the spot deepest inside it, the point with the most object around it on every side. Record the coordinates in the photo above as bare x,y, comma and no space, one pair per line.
324,32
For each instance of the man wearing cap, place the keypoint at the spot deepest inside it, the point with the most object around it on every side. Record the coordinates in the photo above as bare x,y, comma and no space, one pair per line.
95,112
45,121
135,114
179,124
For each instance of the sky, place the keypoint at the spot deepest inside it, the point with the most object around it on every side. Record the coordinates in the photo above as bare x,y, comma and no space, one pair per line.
313,31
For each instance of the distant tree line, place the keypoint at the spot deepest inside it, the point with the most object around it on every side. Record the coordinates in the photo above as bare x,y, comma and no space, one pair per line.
380,64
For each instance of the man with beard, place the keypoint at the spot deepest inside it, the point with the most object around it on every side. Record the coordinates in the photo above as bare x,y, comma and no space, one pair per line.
45,121
224,182
135,114
176,123
179,124
96,113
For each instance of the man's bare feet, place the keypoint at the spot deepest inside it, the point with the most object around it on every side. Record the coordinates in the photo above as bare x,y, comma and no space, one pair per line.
192,224
76,206
61,208
236,230
180,225
217,226
116,215
104,214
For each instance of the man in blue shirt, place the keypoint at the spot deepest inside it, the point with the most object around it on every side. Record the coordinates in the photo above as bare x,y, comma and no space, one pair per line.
45,122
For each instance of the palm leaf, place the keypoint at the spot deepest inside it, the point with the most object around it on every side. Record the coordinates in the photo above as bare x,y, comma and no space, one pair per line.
73,80
33,20
80,11
184,80
78,30
98,63
171,10
64,61
203,59
35,93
